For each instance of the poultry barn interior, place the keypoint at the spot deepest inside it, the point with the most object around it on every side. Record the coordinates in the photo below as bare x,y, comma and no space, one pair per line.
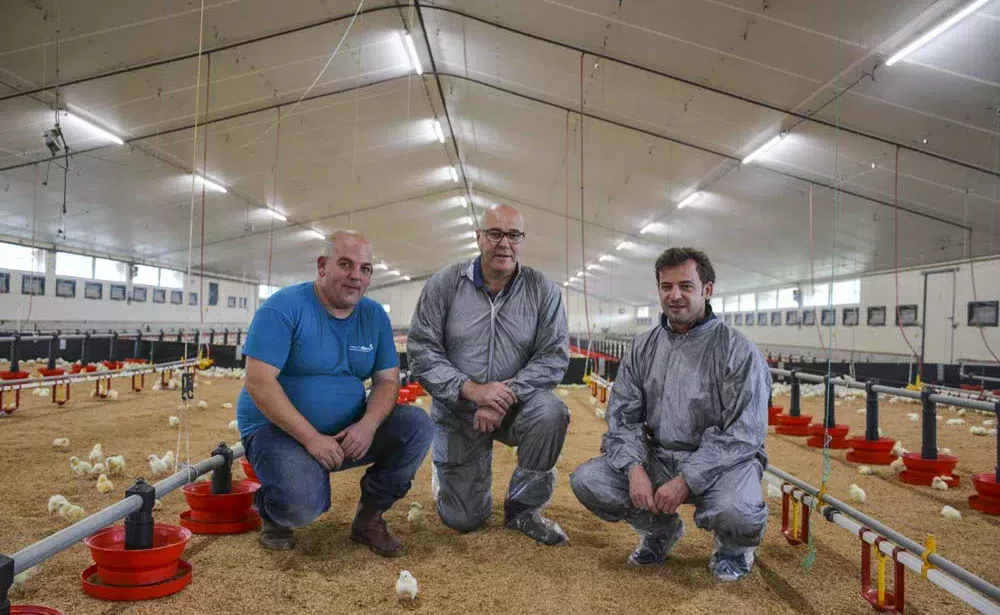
173,173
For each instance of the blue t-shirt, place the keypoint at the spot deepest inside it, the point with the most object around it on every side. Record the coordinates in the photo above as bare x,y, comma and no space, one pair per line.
323,360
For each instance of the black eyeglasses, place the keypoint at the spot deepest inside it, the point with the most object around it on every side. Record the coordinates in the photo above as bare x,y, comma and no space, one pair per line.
495,235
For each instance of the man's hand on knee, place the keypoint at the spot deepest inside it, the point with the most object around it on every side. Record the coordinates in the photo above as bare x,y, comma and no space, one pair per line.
494,395
671,494
326,450
486,420
640,489
356,439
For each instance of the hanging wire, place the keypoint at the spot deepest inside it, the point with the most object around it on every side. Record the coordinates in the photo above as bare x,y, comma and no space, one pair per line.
583,229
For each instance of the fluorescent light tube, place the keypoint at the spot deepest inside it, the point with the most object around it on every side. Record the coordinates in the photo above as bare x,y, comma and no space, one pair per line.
94,128
454,174
381,266
647,228
935,32
211,185
438,131
317,234
691,198
621,246
275,214
411,51
604,257
763,148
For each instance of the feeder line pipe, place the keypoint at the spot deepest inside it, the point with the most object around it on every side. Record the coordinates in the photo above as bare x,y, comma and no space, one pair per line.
906,558
34,383
49,546
946,565
878,388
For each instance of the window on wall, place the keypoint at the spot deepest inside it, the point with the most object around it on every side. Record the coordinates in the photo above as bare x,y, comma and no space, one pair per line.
22,258
169,278
748,303
150,276
112,271
786,298
74,265
847,292
642,312
733,303
264,291
767,300
820,295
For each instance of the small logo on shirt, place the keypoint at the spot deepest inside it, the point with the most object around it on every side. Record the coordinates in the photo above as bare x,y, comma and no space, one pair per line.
367,348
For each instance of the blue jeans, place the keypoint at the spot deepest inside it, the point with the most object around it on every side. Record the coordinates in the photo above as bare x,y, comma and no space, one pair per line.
295,488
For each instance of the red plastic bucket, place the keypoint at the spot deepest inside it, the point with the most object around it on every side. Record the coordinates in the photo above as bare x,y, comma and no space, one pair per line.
208,507
118,566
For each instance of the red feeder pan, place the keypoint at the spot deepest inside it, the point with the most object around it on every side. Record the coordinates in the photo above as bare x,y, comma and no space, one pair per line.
14,375
33,609
51,372
248,470
76,369
920,471
251,523
987,498
871,452
416,389
92,586
117,566
837,433
793,425
208,507
774,415
113,365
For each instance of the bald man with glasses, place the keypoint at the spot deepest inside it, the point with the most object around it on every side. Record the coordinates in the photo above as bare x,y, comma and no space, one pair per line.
489,342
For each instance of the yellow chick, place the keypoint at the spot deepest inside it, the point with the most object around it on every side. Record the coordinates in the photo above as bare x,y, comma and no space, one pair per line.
60,443
156,465
55,502
406,586
116,465
234,426
202,404
72,512
104,484
228,405
96,453
415,515
857,494
80,468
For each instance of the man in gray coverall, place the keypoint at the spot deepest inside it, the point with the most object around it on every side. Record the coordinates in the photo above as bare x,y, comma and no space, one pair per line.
489,342
686,423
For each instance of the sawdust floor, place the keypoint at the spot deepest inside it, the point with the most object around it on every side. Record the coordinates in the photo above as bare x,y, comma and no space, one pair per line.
489,571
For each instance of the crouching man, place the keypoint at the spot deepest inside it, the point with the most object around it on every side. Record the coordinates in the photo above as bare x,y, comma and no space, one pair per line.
303,411
686,423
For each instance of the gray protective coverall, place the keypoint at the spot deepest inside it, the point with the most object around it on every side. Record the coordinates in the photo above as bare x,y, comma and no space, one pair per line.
693,404
459,333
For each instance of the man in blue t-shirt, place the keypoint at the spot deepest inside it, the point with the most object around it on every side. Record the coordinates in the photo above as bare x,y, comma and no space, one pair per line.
303,411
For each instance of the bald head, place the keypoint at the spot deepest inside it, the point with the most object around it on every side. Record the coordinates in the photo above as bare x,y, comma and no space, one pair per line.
500,237
502,216
341,237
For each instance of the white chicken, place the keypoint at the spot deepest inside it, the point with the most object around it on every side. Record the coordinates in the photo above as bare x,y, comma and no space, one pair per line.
961,412
113,394
157,386
989,423
80,468
913,416
857,494
72,512
898,450
202,404
593,400
420,402
599,413
562,392
168,458
406,586
60,443
96,470
861,411
415,515
866,471
104,484
944,451
773,492
897,465
96,454
955,422
950,513
55,502
939,483
228,405
156,465
21,579
116,465
174,422
977,430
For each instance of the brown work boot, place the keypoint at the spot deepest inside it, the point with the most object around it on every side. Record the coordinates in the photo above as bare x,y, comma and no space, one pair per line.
274,537
369,528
